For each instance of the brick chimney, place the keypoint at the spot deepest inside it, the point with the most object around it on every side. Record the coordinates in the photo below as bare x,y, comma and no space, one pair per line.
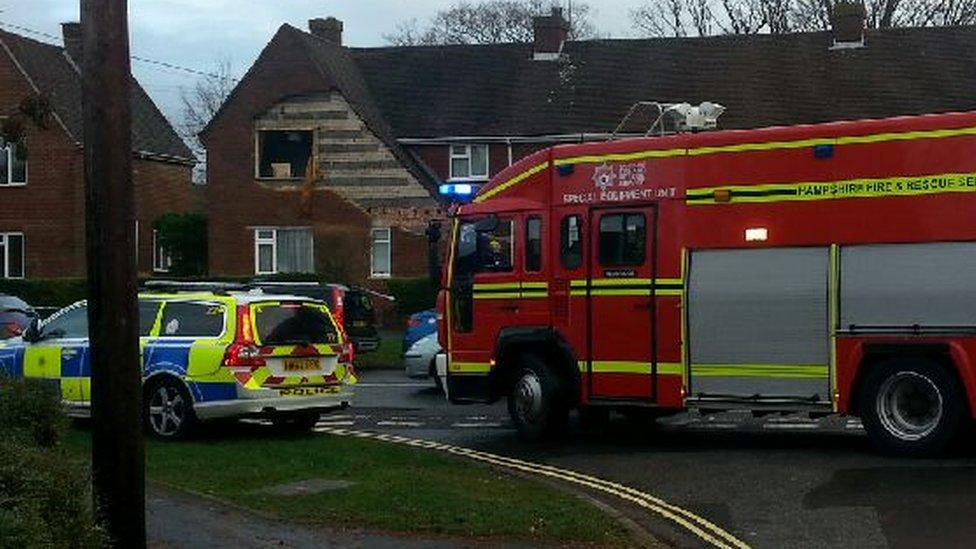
71,34
847,23
327,29
550,33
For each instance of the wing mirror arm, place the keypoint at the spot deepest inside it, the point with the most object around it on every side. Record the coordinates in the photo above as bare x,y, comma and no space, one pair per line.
33,332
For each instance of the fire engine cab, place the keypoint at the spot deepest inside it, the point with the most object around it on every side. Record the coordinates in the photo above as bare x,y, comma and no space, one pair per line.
826,268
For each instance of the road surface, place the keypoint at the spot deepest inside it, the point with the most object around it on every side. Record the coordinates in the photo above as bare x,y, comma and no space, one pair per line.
774,482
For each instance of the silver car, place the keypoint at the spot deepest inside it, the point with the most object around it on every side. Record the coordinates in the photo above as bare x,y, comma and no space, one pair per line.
419,358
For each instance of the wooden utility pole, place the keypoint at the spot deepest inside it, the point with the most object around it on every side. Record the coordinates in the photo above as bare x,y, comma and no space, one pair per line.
118,452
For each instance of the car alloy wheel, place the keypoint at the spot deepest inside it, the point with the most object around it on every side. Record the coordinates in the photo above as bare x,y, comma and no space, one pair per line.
167,410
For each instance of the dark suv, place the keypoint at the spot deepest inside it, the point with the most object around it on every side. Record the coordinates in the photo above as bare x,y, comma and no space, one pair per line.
351,306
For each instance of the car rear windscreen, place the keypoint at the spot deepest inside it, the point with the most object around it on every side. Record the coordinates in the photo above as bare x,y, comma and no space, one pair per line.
294,324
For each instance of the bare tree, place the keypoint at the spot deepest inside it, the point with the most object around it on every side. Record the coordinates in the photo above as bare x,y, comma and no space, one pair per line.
707,17
200,104
670,18
487,22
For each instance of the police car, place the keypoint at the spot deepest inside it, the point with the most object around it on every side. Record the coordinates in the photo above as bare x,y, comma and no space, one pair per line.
205,355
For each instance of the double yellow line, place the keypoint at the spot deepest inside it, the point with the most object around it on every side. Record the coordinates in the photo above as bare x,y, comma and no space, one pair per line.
702,528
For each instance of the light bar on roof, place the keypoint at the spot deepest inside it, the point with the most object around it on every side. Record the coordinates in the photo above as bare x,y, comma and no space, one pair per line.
460,190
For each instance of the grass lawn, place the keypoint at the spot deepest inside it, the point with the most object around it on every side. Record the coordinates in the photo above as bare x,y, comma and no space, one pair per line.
389,354
396,488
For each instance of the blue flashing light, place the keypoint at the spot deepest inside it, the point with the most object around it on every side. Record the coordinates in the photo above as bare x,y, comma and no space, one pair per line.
459,190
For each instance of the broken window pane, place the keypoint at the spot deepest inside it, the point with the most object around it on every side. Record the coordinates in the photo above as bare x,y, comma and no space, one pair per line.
284,154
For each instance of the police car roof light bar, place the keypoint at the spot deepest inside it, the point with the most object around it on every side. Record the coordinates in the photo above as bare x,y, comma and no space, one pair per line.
175,286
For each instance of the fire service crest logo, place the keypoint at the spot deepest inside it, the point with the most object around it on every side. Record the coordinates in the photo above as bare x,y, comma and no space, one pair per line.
604,177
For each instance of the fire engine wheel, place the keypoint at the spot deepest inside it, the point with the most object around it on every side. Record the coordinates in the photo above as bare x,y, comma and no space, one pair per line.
168,409
912,407
537,402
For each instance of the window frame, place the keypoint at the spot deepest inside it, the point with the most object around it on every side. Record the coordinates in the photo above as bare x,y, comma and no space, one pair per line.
258,157
5,257
468,156
564,241
624,218
258,242
372,252
542,246
6,148
161,314
162,259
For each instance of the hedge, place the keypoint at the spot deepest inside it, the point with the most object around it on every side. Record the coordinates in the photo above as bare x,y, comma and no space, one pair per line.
39,292
45,496
412,294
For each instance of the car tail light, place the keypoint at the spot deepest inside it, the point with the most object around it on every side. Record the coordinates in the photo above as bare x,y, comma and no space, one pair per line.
243,353
347,352
338,308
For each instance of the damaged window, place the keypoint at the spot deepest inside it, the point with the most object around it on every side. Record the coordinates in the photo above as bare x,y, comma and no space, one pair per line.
284,154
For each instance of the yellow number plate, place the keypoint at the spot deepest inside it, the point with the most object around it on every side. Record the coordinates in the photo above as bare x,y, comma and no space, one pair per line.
309,391
301,364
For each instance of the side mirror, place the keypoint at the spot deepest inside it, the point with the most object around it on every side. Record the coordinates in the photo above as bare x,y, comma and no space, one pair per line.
33,332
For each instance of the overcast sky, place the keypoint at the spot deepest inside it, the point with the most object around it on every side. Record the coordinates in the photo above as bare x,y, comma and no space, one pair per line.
199,34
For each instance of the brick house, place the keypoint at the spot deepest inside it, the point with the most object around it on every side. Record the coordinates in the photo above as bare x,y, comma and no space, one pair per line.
42,192
384,127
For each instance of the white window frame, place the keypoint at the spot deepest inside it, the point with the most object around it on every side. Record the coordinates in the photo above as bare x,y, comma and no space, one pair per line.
373,240
5,259
273,242
265,241
10,168
162,259
464,152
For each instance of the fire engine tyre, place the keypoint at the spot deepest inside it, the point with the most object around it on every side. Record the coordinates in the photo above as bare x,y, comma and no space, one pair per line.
168,409
912,407
537,402
296,422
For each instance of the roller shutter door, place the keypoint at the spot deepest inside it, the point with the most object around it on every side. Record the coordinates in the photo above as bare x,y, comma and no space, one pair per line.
758,323
900,286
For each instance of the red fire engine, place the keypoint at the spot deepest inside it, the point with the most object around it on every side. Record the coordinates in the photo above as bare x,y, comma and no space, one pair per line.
826,268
